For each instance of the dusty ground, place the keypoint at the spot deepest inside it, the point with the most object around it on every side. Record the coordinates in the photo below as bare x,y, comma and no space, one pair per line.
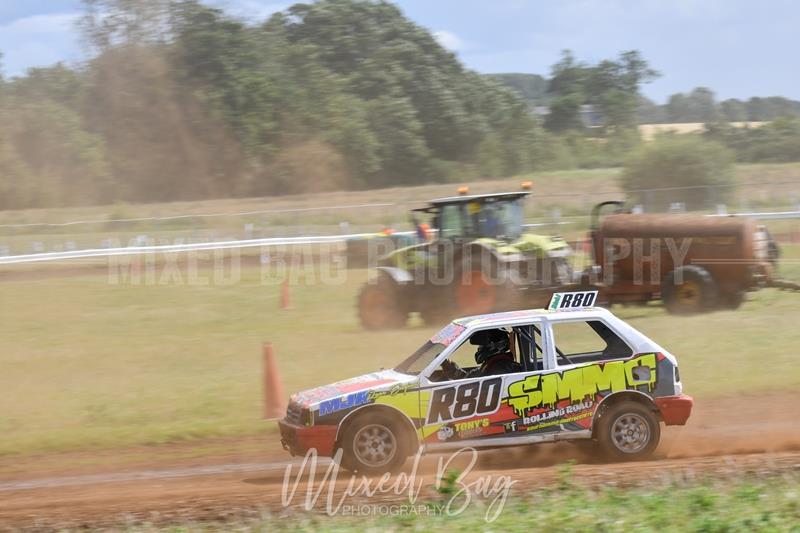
728,437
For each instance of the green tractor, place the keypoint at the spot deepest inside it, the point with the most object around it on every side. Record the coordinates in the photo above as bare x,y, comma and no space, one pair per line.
476,258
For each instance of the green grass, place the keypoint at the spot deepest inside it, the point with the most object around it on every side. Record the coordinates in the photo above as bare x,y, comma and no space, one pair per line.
548,194
90,364
770,504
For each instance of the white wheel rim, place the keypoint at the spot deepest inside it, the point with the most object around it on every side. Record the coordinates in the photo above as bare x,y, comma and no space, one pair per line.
630,433
374,445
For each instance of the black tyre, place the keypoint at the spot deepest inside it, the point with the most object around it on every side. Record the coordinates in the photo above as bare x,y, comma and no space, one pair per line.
374,444
689,290
731,300
628,431
478,285
381,304
437,310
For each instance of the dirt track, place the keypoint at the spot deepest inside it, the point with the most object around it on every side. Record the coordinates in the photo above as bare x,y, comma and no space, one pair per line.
725,438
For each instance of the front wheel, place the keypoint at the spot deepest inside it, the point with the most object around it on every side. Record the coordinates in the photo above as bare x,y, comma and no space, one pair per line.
628,431
373,445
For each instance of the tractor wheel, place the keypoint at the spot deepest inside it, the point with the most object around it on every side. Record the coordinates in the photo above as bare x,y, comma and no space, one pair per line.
475,290
689,290
380,304
437,310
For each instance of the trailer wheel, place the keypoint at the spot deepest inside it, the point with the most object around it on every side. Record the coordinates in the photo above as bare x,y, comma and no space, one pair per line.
689,290
381,304
731,300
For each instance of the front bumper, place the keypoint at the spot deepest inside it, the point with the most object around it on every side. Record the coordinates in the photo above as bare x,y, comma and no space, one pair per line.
675,410
297,440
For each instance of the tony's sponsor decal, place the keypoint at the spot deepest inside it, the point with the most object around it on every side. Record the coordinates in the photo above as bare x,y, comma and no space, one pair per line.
471,428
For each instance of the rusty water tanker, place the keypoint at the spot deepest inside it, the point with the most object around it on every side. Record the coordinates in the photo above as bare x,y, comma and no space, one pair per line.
694,263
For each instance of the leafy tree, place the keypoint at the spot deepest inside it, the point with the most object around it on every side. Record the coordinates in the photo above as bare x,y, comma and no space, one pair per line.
612,86
733,110
564,113
50,157
776,142
109,23
649,112
697,106
679,160
531,87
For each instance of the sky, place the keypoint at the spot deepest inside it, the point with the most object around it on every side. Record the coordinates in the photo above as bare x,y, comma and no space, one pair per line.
737,48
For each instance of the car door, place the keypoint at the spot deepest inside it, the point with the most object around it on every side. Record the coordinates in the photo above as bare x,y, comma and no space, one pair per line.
475,411
589,361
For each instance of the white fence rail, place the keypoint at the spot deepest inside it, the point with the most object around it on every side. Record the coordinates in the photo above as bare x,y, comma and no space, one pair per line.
268,242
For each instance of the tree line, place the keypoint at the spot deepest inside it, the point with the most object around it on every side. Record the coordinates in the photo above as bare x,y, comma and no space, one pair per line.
181,101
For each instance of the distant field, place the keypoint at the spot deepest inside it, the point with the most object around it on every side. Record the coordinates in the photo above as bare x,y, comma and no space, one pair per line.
649,131
91,364
568,195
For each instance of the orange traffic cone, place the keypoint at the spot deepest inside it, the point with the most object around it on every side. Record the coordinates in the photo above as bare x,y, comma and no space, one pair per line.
274,399
286,294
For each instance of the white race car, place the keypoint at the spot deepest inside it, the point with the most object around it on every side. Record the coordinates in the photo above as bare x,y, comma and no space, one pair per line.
568,372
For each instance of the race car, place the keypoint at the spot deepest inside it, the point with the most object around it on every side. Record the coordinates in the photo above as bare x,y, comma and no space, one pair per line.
569,372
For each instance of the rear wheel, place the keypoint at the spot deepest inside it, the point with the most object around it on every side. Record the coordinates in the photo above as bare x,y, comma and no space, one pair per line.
380,304
628,431
689,290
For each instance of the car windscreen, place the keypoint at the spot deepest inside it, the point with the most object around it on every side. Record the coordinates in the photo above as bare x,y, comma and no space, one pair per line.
420,359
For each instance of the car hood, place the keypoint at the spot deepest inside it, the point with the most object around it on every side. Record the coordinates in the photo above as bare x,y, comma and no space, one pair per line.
383,380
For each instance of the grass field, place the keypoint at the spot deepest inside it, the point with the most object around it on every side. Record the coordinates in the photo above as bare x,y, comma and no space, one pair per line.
571,192
767,504
87,363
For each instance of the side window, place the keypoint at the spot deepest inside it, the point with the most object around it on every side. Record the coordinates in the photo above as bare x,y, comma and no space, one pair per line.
587,341
529,346
488,352
464,356
451,222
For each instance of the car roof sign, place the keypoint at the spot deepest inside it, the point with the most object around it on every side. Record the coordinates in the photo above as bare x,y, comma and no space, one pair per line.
562,301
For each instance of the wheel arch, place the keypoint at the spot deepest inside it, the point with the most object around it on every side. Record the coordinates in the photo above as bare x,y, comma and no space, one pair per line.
412,439
398,275
623,396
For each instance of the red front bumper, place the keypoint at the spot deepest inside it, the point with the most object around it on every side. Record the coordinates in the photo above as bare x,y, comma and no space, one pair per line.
675,410
297,440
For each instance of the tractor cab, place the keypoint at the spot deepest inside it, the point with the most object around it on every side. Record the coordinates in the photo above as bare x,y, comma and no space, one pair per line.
467,218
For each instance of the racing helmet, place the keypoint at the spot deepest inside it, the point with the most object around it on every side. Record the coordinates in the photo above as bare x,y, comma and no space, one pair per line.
492,342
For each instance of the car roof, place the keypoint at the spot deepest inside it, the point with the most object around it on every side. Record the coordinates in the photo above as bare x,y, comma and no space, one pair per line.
516,317
478,198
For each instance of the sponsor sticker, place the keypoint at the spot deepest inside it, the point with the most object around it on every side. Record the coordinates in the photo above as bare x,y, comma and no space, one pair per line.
572,300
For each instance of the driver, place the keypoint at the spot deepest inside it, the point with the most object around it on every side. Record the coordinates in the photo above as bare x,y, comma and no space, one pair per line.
494,354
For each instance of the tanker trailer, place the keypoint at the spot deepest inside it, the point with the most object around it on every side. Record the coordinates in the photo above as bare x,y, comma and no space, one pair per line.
693,263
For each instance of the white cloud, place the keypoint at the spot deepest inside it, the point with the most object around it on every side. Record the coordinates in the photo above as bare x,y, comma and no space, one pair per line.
40,24
38,40
449,40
